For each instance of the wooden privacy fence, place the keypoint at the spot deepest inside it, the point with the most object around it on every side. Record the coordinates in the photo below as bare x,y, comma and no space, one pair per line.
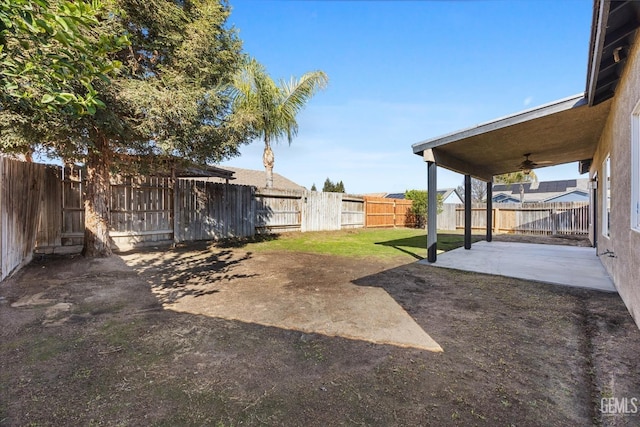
530,218
21,190
211,211
207,210
141,211
382,212
287,210
152,210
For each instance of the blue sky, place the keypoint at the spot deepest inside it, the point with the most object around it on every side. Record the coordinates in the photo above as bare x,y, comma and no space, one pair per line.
405,71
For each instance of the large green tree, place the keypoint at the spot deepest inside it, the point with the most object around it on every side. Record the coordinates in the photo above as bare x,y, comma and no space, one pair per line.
273,107
50,54
170,97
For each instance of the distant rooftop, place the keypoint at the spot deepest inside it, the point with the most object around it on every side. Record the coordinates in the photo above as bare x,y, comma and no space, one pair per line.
541,191
258,178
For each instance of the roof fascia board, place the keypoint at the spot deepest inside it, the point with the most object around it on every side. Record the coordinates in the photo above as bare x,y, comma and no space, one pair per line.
503,122
452,163
598,33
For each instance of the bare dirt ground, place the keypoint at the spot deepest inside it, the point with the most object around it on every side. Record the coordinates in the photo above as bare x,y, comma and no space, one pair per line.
91,342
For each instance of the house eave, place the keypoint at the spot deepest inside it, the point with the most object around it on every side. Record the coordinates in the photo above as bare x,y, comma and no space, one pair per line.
560,132
554,107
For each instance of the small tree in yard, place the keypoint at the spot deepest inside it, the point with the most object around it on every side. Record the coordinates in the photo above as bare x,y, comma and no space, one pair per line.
170,97
419,208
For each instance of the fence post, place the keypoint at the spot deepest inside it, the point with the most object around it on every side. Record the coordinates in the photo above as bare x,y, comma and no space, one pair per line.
554,226
365,213
395,213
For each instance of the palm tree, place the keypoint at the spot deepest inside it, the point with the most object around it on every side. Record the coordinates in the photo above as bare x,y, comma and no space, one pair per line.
272,108
516,178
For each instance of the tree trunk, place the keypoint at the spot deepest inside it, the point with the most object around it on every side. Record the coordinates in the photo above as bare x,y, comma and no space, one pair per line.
521,193
268,160
96,205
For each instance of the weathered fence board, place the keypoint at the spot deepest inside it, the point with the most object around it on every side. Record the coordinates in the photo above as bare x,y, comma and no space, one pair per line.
211,211
447,217
141,211
291,210
50,222
352,212
278,210
529,218
22,187
321,211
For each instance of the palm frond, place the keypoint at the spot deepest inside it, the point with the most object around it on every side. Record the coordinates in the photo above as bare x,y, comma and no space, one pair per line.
275,106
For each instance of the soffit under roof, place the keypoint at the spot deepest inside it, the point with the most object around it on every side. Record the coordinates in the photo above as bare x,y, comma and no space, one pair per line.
561,132
613,31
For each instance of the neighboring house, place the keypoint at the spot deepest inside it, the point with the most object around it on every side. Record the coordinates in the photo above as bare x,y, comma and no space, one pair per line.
599,129
258,178
569,190
504,198
449,195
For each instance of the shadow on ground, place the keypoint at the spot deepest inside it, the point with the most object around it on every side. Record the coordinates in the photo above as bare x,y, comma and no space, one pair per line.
417,246
534,345
193,270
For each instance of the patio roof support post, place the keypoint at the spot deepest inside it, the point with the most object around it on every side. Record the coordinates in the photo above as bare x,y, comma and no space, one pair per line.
467,211
432,211
489,211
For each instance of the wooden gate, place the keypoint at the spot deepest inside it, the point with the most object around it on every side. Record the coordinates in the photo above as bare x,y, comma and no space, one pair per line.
321,211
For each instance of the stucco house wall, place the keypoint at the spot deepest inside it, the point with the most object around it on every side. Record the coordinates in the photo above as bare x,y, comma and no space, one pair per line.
623,264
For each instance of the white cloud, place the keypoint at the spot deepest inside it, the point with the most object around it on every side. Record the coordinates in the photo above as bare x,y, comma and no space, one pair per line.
527,101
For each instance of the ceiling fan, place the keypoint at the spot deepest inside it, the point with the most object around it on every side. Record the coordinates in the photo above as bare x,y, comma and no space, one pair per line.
527,164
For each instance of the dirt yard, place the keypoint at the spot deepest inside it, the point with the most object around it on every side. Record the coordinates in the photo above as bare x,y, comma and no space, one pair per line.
99,342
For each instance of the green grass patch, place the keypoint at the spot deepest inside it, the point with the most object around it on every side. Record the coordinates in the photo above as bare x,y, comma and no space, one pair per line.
382,243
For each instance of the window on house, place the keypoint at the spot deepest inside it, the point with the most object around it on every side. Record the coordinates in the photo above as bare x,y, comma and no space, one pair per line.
606,196
635,168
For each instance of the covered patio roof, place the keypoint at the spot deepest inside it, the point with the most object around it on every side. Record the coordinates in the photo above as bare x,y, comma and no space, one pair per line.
560,132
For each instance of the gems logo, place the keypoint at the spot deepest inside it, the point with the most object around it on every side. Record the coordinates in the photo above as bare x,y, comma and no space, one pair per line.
619,406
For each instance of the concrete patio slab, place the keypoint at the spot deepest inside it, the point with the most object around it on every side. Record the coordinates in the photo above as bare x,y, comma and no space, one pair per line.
555,264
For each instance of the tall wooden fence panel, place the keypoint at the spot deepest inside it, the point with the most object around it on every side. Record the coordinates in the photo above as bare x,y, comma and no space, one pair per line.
73,186
141,210
22,186
321,211
210,211
352,212
50,223
382,212
447,217
530,218
278,211
291,210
